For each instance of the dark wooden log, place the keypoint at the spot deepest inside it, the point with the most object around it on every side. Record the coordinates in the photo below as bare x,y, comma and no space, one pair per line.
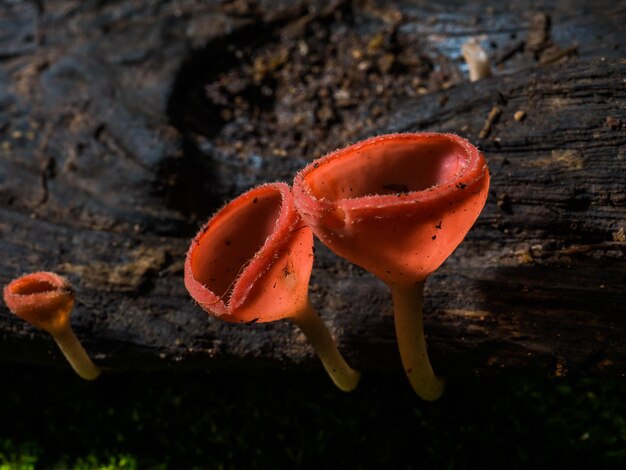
99,181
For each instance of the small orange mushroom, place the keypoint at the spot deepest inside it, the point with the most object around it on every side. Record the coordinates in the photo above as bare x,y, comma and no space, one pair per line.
252,262
45,300
397,205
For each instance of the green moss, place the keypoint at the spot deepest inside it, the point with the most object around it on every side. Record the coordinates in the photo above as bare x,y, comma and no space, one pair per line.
21,456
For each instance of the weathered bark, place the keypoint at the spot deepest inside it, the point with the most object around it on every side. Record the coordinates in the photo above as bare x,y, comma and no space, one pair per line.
98,185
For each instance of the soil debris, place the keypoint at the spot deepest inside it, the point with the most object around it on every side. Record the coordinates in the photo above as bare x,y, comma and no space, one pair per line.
615,123
519,115
318,83
538,33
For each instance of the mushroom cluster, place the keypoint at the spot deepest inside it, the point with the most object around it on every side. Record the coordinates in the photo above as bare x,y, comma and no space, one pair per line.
397,205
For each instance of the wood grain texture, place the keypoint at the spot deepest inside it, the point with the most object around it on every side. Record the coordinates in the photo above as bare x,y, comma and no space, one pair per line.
97,183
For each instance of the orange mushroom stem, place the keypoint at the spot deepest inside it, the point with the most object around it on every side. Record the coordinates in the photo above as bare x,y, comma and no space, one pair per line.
45,300
397,205
252,262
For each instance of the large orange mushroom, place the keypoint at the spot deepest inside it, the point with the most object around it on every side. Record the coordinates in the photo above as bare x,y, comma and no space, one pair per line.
252,262
397,205
45,300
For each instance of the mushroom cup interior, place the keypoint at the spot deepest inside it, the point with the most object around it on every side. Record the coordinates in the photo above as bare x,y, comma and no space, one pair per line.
33,286
404,165
232,239
42,299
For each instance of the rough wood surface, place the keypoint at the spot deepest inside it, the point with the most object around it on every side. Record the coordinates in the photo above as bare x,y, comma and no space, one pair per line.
98,184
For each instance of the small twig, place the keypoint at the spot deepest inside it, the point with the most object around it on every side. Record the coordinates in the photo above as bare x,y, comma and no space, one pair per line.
491,119
551,58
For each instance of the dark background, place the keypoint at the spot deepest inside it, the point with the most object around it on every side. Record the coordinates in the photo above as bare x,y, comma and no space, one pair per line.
274,419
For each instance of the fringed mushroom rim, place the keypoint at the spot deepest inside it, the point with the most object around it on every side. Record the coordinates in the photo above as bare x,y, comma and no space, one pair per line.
471,172
287,222
35,289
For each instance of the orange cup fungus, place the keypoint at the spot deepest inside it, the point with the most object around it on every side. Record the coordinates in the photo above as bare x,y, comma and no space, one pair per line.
397,205
45,300
252,262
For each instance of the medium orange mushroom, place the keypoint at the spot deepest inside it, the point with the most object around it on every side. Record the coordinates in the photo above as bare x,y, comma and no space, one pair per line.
45,300
397,205
252,262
